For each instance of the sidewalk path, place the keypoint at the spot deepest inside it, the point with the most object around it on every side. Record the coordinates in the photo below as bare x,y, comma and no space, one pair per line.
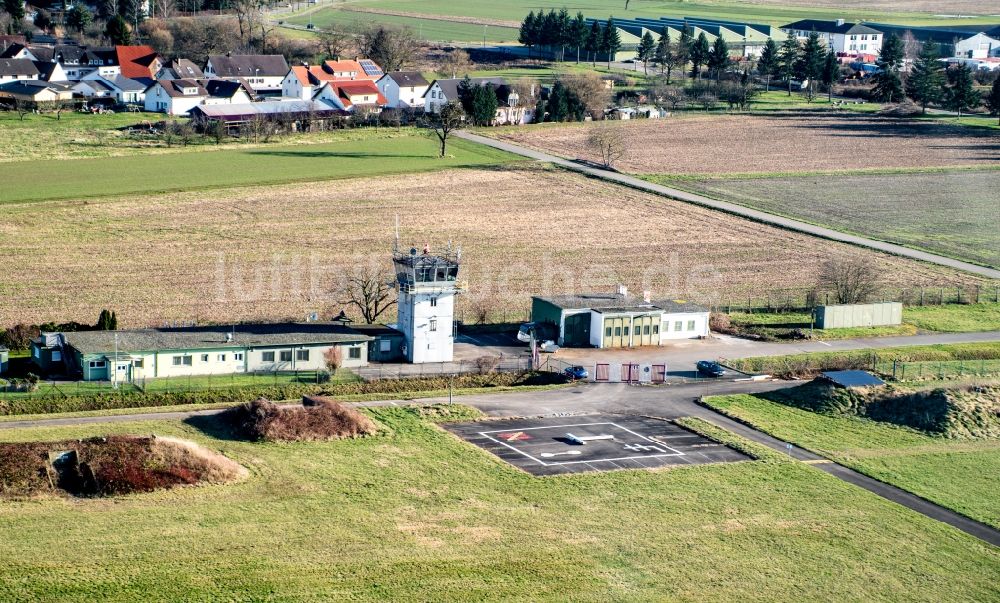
731,208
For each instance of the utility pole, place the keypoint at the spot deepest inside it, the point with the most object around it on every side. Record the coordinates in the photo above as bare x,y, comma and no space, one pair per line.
114,378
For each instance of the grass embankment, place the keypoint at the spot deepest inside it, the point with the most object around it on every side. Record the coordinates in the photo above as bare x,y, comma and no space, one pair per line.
959,474
421,515
371,156
946,318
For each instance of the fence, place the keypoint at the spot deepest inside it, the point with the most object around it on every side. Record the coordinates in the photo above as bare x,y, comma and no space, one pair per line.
800,300
899,370
486,364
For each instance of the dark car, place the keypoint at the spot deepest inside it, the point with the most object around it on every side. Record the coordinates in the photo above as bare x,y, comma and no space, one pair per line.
576,372
710,368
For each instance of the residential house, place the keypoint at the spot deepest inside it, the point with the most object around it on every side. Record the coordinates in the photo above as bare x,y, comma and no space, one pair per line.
138,62
94,87
12,70
510,108
403,89
174,97
226,92
359,95
38,91
50,71
304,81
17,51
617,320
848,40
180,69
263,73
126,356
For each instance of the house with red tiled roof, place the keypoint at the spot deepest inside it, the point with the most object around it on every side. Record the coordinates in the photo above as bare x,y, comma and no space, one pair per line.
305,81
351,96
138,61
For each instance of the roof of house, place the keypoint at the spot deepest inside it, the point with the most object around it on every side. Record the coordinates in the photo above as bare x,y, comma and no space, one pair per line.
363,69
13,50
128,84
41,53
450,86
407,78
68,53
17,67
831,27
199,338
31,87
611,302
175,88
45,68
100,56
249,65
136,61
377,330
184,68
225,88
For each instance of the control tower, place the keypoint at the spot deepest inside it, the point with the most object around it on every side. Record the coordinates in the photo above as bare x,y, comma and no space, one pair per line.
428,283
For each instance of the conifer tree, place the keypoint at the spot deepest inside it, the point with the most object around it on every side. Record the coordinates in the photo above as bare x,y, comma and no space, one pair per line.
925,84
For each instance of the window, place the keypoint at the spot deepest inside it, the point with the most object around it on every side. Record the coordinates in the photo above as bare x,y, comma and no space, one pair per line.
267,356
286,355
607,331
434,302
36,352
56,356
690,325
656,329
182,360
204,357
137,363
678,325
238,356
302,354
625,331
354,353
384,345
645,330
433,324
618,331
222,357
96,364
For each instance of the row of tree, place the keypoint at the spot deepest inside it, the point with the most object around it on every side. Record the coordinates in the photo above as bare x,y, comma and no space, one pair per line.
558,31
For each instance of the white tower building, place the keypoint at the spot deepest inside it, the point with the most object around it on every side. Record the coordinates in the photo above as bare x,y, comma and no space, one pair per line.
428,283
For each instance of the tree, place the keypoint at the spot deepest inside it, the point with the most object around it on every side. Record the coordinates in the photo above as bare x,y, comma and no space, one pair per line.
14,8
333,358
444,121
611,42
718,57
767,64
594,41
369,291
118,32
528,33
644,52
390,47
961,93
107,321
831,71
683,50
455,62
563,34
809,67
334,41
79,17
23,107
610,142
888,87
588,96
925,84
579,33
479,101
43,20
113,322
699,54
993,99
852,281
788,58
665,56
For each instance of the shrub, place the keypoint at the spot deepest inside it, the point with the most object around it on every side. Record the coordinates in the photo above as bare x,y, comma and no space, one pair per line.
486,364
321,420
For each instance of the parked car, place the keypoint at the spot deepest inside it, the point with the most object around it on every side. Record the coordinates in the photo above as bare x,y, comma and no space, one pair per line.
710,368
548,346
576,373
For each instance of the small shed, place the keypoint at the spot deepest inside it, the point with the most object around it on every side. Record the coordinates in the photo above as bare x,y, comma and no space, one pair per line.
4,357
387,344
851,379
858,315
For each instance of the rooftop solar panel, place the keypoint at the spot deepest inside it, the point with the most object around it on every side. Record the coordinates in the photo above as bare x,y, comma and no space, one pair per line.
852,378
370,67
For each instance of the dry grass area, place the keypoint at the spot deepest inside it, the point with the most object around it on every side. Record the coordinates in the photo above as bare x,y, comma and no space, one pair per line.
776,142
280,252
939,7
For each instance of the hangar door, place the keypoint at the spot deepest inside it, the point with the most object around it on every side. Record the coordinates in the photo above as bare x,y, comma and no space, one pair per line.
576,330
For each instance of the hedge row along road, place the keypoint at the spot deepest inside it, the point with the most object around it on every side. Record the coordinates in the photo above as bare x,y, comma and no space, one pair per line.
733,208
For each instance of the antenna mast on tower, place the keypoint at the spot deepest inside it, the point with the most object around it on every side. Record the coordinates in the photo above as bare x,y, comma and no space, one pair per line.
395,245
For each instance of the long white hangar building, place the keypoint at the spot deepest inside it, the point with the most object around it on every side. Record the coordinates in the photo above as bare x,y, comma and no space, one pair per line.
604,320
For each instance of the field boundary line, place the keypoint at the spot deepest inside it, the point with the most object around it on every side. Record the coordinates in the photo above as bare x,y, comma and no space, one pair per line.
733,208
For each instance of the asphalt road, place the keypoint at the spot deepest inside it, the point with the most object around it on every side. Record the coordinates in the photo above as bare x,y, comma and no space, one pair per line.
732,208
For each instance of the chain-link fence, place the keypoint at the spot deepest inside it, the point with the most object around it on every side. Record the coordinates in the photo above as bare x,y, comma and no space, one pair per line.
899,370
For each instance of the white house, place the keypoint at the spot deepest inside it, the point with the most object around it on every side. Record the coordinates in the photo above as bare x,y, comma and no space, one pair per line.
303,82
979,46
264,73
225,92
124,90
403,89
845,39
174,97
616,320
351,96
12,70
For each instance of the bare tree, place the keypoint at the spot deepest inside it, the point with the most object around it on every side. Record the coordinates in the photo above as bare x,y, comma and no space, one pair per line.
444,121
590,89
852,281
333,358
393,48
249,13
610,142
334,41
368,291
455,62
23,107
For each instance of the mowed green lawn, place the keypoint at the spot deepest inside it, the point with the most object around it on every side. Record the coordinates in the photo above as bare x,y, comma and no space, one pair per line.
58,179
953,213
420,515
959,474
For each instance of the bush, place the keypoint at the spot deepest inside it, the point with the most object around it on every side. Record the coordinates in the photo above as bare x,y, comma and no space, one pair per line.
322,419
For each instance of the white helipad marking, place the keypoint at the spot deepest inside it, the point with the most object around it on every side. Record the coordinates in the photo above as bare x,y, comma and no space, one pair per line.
546,455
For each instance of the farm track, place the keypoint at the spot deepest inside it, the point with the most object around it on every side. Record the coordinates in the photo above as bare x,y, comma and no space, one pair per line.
733,208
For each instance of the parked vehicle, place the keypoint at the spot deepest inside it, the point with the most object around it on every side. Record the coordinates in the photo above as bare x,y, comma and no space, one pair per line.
710,368
548,346
576,373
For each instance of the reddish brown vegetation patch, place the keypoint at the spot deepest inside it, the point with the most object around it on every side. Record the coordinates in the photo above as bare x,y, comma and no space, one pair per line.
109,466
318,419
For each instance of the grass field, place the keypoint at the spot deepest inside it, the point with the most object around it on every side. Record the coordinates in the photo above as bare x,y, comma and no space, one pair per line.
952,213
436,30
263,164
73,135
959,474
421,515
277,252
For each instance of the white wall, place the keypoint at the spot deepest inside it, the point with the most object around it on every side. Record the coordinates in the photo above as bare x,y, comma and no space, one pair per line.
401,97
293,88
428,328
434,99
669,330
979,46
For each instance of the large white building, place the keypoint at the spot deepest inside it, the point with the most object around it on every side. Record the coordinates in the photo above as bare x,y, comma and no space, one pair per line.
403,89
427,283
845,39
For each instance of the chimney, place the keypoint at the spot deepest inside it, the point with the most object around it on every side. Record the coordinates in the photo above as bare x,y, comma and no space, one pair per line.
622,291
647,296
840,22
